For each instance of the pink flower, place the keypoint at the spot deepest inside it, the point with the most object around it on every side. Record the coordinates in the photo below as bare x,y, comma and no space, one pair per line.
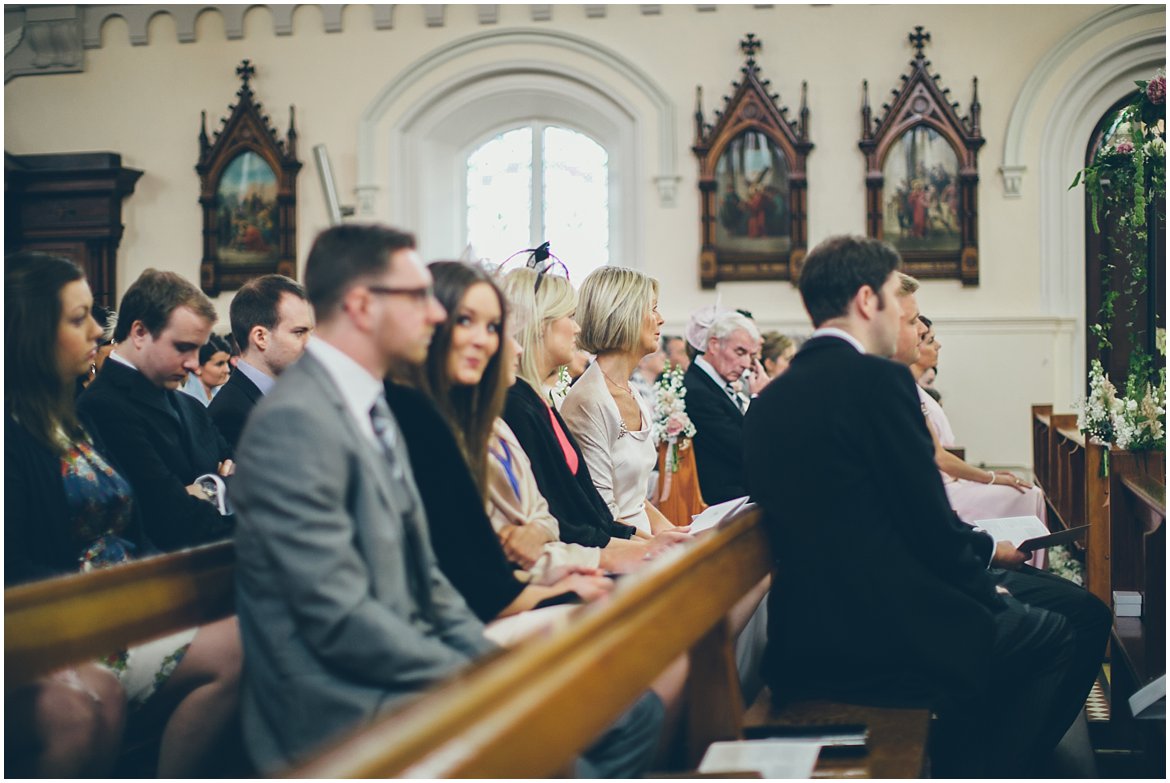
1125,147
1156,90
673,427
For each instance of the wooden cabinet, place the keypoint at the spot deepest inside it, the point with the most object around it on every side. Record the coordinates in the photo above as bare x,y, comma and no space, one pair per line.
71,205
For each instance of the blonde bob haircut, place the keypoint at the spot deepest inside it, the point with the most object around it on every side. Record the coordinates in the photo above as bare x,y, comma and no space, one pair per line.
613,303
530,312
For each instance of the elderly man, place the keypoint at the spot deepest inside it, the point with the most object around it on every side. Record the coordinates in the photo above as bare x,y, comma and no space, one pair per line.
714,403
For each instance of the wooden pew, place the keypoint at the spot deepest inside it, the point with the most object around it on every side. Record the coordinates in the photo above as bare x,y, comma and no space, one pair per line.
72,619
1138,519
527,713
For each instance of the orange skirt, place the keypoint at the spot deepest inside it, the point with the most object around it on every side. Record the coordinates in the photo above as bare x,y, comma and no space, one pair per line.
682,497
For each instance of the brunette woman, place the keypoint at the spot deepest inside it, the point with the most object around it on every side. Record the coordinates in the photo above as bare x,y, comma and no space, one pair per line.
68,509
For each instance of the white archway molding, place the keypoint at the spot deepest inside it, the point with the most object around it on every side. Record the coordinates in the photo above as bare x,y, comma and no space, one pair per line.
428,146
372,124
1014,164
1101,80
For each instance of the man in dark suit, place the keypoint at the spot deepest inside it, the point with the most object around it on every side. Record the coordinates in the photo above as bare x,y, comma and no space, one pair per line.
343,609
271,322
716,406
161,439
880,593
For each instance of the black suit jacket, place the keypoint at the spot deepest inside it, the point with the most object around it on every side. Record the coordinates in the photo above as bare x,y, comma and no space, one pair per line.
581,513
880,592
231,405
161,441
718,438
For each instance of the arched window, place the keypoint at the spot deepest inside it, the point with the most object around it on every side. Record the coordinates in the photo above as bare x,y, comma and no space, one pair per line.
539,182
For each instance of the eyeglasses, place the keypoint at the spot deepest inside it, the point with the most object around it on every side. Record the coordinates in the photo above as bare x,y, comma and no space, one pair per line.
420,295
539,261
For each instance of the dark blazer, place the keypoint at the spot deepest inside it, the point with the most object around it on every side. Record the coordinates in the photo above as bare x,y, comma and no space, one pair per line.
879,590
573,500
465,543
230,406
161,441
38,539
718,437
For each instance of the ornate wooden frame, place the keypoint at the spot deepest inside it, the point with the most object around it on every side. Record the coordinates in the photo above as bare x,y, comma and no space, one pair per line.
246,129
921,102
752,108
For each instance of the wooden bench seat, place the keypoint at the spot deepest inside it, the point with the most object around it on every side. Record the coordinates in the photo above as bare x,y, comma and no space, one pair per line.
897,737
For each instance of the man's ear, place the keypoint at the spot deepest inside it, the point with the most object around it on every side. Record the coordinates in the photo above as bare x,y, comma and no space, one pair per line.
356,304
865,302
138,334
258,337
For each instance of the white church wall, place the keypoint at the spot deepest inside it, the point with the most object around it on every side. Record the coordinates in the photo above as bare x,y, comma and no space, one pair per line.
1009,342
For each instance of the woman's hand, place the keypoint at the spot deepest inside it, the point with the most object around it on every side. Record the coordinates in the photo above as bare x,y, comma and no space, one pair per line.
523,544
666,539
1009,479
589,587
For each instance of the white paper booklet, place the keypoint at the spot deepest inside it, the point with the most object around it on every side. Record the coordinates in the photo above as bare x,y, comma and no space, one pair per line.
772,758
1014,529
1149,703
713,515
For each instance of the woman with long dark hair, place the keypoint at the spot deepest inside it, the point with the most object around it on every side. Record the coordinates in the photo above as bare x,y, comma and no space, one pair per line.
68,509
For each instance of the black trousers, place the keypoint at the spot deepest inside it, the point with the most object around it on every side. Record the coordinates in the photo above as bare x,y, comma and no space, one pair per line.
1048,647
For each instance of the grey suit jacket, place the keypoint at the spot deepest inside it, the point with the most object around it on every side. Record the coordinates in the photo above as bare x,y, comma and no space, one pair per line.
333,631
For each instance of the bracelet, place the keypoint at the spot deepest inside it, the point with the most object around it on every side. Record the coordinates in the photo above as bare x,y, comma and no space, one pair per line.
992,481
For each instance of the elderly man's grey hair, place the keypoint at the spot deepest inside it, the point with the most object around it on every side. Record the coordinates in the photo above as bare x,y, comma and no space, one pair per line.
727,324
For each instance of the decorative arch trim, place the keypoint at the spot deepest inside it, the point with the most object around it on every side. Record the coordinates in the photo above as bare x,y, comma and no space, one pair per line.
1014,164
372,118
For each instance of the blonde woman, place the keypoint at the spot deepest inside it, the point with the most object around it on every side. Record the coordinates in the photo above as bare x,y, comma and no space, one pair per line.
620,324
546,331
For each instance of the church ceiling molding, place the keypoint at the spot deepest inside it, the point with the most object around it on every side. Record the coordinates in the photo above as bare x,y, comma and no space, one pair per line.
50,39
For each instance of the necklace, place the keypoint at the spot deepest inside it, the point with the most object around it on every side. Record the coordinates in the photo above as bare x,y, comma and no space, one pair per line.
605,375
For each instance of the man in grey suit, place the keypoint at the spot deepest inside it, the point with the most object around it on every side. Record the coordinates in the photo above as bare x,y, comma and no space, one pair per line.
343,610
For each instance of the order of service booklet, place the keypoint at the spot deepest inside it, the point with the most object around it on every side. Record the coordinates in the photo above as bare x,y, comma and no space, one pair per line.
1028,533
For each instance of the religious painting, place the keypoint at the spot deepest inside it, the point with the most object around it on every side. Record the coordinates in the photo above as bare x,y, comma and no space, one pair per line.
248,190
921,178
922,173
248,221
752,192
753,218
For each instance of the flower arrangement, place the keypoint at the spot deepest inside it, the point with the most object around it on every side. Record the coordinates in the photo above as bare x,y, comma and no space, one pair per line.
671,424
560,389
1136,421
1126,175
1095,413
1062,563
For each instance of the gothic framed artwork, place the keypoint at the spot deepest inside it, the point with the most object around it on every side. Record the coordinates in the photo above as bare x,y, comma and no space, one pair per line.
752,184
922,174
248,193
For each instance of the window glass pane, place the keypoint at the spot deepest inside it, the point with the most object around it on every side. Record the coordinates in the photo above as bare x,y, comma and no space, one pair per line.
576,200
499,195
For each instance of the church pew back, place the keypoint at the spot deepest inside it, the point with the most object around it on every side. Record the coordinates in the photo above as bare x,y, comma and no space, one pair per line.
68,620
527,713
